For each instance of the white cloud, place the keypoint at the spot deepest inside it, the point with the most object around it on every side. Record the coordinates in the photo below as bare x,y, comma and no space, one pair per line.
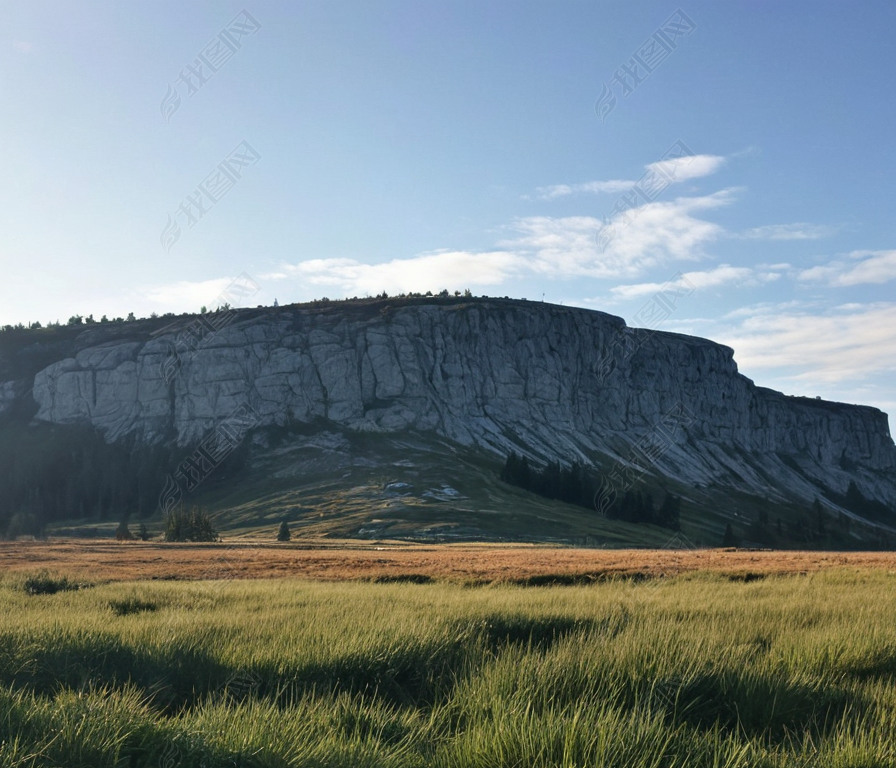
877,267
673,171
547,246
874,267
641,238
594,187
824,274
668,228
797,231
679,169
688,281
563,246
429,271
753,310
834,346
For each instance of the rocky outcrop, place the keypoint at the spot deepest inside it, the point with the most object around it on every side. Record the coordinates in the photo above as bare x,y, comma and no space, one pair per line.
552,381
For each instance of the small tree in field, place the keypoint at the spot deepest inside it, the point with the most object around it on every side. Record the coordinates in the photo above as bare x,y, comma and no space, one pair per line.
123,533
283,534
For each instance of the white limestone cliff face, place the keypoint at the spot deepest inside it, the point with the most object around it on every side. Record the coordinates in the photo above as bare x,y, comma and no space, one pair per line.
557,382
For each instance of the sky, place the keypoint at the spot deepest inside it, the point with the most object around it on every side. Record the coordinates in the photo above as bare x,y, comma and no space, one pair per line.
721,169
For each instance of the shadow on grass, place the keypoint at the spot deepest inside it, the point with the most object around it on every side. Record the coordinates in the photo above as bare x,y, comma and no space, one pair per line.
45,583
171,677
178,676
498,630
427,672
103,728
578,579
403,578
877,665
760,705
746,577
129,605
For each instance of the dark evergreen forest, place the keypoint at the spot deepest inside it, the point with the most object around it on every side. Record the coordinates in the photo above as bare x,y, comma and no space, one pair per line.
575,484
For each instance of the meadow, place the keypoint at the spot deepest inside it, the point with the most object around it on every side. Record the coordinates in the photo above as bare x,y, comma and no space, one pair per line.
698,669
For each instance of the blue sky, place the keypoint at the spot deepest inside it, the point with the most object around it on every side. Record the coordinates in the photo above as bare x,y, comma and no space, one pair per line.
346,148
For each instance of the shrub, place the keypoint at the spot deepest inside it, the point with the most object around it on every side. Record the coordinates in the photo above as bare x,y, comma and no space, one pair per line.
283,534
44,583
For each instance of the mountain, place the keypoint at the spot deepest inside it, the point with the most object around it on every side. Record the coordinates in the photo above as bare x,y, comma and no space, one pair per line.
464,381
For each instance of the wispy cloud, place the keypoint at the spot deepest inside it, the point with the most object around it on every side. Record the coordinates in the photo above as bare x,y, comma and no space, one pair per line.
613,186
688,166
428,271
657,231
22,46
675,170
552,247
797,231
567,247
873,267
712,278
847,344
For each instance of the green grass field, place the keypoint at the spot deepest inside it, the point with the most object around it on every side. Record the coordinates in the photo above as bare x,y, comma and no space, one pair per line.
692,671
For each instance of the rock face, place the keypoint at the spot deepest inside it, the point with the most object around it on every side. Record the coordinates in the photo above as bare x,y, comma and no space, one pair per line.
553,382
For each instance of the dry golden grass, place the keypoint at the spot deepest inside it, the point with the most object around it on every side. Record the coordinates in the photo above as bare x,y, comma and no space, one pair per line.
106,560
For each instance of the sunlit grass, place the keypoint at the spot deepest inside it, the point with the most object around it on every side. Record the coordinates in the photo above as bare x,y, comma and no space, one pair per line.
693,671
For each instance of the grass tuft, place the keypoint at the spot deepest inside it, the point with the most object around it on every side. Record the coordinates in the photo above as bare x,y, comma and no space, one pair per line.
45,583
132,604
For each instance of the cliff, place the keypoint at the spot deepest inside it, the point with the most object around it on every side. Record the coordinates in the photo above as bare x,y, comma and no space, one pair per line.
549,381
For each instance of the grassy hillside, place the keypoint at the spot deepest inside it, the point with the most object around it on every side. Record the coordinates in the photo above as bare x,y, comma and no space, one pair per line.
411,486
406,488
327,482
694,671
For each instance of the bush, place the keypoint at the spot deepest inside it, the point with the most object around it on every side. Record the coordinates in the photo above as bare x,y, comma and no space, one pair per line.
283,534
44,583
